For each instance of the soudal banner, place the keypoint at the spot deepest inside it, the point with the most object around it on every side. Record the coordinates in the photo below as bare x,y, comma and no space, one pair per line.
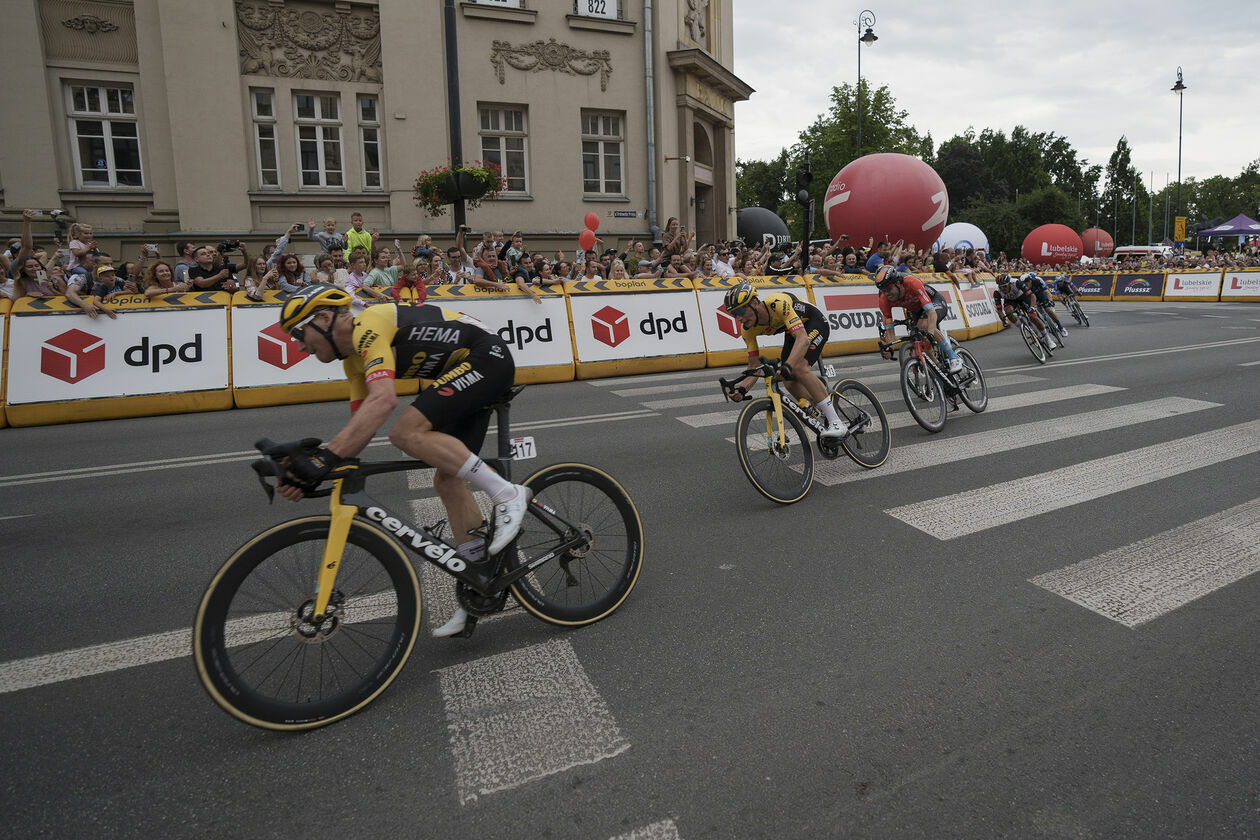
1241,285
722,332
1097,286
1148,286
58,357
1193,286
852,311
955,320
633,319
976,304
537,333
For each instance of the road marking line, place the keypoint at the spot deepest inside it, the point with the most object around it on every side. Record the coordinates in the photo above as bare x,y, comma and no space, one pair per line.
973,511
1140,582
663,830
18,516
1249,364
1215,316
1134,355
523,715
979,444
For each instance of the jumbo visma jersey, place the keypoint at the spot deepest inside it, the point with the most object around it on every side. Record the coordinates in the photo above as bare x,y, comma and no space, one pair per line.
787,314
409,342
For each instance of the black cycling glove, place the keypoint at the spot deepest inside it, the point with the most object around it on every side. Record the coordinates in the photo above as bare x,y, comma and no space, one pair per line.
308,469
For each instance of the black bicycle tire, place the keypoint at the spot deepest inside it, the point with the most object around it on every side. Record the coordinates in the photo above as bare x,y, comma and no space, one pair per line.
928,424
969,361
216,666
624,573
852,442
802,443
1033,343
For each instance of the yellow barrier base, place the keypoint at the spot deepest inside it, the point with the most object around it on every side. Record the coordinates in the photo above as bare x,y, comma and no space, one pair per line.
4,420
622,367
113,408
976,332
544,373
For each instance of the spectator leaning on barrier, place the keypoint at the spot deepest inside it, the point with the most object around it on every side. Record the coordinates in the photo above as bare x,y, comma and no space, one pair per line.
260,278
328,238
79,293
292,273
159,280
208,277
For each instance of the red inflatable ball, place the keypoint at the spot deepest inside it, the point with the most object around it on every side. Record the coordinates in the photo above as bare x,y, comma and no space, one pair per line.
887,196
592,221
1054,244
587,239
1096,242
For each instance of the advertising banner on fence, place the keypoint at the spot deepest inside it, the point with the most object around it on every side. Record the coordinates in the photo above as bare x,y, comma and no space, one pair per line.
1241,285
977,307
1145,286
955,320
537,333
57,353
1094,286
722,333
4,321
263,354
620,324
1193,285
852,312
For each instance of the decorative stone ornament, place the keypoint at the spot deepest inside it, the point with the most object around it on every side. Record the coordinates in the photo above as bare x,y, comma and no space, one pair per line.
305,43
551,55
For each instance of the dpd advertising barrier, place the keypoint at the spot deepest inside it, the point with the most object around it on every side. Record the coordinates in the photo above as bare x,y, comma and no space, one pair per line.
722,332
634,326
268,366
4,362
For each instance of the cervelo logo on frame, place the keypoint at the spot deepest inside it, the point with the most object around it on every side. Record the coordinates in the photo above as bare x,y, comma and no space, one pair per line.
72,356
276,347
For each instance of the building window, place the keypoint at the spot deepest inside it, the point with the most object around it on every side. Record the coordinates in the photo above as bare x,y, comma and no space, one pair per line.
104,135
602,144
262,103
370,141
319,139
505,141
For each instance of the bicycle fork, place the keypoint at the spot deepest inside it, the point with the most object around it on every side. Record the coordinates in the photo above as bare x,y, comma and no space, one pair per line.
338,530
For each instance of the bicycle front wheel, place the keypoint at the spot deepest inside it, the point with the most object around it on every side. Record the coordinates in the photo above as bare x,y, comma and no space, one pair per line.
1034,343
973,391
869,440
591,579
264,660
781,468
924,395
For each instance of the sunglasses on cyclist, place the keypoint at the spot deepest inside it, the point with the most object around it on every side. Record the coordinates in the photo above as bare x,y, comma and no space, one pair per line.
298,332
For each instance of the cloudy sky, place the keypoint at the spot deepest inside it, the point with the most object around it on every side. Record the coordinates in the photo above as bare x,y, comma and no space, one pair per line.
1088,71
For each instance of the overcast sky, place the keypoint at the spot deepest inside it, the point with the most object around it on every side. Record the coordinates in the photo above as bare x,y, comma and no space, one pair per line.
1088,71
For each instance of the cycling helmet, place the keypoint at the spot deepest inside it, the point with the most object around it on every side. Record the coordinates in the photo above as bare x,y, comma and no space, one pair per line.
739,297
308,300
886,275
1004,279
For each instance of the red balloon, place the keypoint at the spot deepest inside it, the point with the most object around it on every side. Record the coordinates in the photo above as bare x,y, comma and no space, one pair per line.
592,221
1097,243
887,196
1054,244
587,239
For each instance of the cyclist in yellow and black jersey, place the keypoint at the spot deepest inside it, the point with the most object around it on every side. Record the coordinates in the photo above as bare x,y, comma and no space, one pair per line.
470,368
806,331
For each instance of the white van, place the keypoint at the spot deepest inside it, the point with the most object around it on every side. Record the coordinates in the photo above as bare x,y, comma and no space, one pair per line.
1145,252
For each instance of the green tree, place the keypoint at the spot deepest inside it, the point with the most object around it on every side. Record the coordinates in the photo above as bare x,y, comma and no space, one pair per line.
762,183
999,220
967,177
1049,205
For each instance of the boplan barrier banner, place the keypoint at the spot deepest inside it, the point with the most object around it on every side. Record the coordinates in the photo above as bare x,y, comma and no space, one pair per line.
1193,285
1241,285
1143,286
263,354
634,319
722,332
57,353
1094,286
537,333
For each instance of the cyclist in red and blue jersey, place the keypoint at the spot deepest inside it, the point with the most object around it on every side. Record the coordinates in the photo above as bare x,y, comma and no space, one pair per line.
921,302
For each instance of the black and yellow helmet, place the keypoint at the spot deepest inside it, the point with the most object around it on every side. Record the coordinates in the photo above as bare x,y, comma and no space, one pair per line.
739,297
308,300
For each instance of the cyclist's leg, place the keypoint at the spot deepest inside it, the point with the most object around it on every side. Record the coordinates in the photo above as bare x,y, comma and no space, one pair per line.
807,384
929,316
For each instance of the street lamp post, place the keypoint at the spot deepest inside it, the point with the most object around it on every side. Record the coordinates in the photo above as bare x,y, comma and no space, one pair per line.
1178,89
867,19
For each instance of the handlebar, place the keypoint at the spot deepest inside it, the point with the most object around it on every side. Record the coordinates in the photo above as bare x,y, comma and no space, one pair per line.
764,367
271,465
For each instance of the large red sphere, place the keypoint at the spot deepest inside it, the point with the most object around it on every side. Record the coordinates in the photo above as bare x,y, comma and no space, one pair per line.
1097,243
1054,244
887,196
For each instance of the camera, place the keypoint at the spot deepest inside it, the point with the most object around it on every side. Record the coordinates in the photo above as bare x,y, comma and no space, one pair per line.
152,248
228,245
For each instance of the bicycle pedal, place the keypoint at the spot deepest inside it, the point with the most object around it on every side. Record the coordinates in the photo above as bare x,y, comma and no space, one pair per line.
469,626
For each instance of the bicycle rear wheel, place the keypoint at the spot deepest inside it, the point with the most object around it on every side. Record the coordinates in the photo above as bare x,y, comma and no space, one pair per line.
1075,309
586,582
782,470
975,394
1034,343
924,395
869,440
262,658
1081,314
1056,329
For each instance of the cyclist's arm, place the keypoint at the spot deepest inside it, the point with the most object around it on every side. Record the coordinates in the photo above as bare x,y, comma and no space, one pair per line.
369,415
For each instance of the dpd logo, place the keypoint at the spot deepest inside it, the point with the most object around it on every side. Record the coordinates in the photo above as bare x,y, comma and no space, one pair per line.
728,323
72,356
610,326
276,347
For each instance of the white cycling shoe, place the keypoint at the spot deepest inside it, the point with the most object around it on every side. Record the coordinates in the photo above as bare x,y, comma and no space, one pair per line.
453,627
508,517
834,431
955,365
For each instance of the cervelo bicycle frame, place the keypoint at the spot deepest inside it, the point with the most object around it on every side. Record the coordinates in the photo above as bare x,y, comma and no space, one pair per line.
767,368
348,499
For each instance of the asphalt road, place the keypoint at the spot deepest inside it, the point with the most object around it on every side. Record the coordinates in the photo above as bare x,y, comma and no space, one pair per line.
1040,622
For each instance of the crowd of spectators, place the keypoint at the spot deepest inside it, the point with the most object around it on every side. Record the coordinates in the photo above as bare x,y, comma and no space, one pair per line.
358,261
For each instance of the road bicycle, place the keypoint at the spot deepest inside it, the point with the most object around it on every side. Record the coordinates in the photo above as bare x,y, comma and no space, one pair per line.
1073,307
1037,345
773,444
309,621
1053,327
928,387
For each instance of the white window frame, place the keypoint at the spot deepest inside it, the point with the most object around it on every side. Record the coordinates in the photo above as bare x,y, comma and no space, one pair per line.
366,127
321,126
605,138
492,123
110,119
268,122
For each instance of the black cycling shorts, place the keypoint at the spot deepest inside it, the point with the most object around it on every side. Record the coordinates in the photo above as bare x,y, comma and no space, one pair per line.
816,333
457,403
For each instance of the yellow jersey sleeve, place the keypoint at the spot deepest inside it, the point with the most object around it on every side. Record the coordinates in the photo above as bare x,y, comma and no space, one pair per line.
373,356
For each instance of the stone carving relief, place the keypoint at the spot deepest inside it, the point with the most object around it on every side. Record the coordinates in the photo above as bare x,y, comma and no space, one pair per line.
696,22
551,55
91,24
298,41
85,30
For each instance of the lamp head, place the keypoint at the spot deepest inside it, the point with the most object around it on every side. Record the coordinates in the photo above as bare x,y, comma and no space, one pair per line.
1179,87
869,38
